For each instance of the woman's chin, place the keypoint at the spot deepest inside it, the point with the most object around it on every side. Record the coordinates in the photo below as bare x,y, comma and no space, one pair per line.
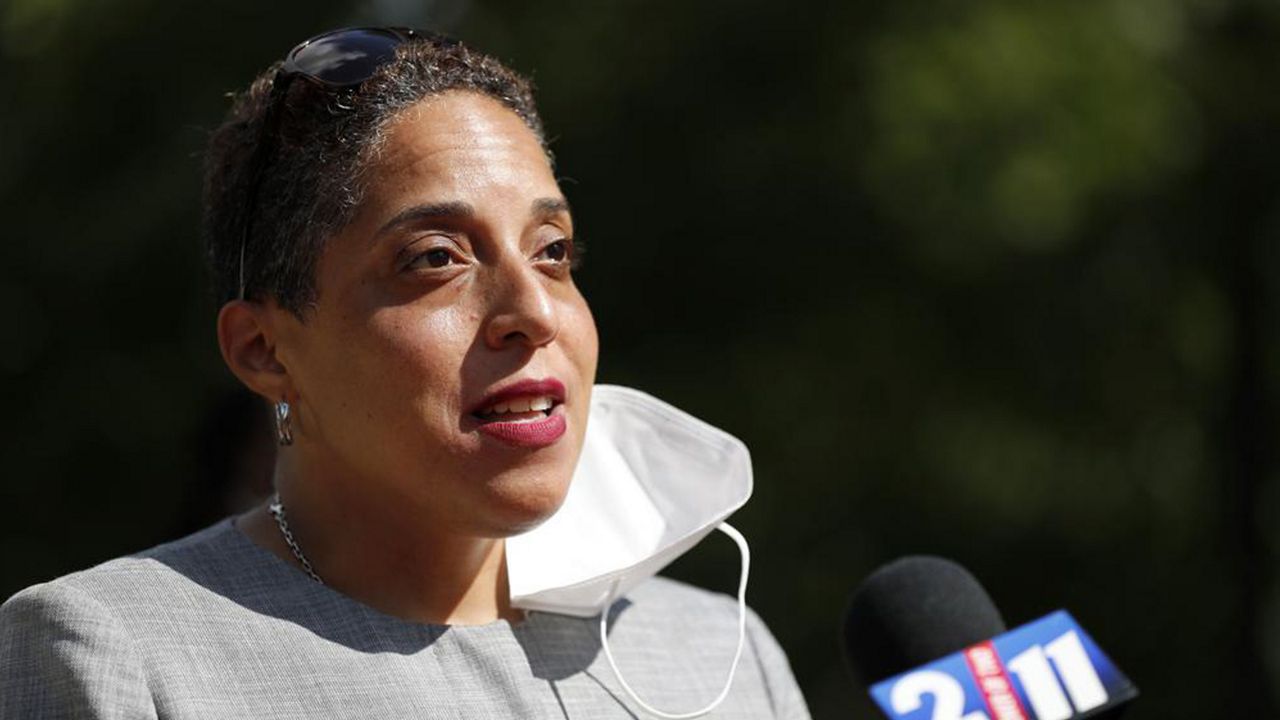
517,505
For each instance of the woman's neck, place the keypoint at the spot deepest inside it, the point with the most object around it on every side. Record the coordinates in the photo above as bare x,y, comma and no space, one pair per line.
388,557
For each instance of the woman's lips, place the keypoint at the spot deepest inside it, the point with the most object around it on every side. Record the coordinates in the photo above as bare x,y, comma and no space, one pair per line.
527,413
549,388
532,429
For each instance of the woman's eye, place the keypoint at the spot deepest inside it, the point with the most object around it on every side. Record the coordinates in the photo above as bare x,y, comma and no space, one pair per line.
558,251
434,258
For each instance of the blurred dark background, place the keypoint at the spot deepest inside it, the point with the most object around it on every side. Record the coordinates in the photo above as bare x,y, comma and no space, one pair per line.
995,280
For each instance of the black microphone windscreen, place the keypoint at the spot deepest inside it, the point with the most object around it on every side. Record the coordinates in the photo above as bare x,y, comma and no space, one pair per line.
912,611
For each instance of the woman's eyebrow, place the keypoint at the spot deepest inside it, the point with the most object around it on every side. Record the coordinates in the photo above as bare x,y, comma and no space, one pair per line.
542,208
426,212
546,207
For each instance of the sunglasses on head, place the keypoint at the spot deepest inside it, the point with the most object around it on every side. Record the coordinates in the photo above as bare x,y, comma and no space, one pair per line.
337,61
343,58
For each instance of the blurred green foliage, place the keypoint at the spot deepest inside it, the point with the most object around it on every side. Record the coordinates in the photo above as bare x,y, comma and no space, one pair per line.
992,280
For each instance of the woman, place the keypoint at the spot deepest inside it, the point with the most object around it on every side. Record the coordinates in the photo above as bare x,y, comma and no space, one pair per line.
394,258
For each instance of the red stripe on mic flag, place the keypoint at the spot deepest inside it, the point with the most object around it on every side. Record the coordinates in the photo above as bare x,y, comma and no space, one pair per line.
994,683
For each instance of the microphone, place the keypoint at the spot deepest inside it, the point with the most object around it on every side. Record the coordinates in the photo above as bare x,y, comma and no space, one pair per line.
913,610
926,640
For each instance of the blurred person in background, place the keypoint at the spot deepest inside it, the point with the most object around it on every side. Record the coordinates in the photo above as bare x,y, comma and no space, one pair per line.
394,259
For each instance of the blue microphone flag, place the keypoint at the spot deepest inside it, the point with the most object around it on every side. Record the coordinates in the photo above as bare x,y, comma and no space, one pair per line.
1048,669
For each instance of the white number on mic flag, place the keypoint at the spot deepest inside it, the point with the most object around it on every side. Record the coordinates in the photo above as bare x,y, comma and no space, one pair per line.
948,697
1047,669
1051,695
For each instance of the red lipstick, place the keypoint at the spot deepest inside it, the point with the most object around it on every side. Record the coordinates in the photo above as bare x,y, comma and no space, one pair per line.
527,433
526,413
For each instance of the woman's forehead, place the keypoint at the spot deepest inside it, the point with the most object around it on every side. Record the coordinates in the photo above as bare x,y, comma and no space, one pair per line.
460,143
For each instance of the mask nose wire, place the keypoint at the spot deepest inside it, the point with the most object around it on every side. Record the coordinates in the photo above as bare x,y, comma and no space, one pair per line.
745,551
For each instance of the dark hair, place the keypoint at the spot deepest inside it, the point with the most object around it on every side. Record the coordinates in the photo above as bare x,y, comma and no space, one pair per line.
311,181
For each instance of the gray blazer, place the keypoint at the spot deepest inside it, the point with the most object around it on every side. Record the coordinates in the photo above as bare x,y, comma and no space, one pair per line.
213,626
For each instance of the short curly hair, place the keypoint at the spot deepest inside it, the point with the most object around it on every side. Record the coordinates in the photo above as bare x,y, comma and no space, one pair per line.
312,177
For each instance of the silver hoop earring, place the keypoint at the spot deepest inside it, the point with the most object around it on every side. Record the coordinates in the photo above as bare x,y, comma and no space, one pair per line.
284,428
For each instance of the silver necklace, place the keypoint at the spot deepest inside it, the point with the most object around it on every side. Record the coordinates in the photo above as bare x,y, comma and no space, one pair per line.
276,508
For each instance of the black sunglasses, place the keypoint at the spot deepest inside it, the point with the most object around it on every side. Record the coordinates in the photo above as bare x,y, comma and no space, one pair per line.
337,61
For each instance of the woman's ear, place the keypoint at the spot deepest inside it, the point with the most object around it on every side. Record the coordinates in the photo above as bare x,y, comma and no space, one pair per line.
247,339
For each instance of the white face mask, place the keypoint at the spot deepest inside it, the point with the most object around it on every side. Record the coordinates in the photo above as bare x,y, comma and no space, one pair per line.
652,481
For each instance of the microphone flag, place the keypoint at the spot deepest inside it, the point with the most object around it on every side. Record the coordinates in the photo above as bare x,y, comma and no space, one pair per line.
1047,669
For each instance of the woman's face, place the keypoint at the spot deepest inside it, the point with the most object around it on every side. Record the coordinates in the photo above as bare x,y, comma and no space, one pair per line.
447,365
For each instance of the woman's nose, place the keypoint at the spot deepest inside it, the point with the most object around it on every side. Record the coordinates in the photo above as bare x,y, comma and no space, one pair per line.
523,310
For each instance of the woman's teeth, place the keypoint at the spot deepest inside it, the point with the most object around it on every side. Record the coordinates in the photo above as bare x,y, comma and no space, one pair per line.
519,405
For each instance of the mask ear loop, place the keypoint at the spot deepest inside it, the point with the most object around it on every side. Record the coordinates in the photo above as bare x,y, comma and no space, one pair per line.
741,541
